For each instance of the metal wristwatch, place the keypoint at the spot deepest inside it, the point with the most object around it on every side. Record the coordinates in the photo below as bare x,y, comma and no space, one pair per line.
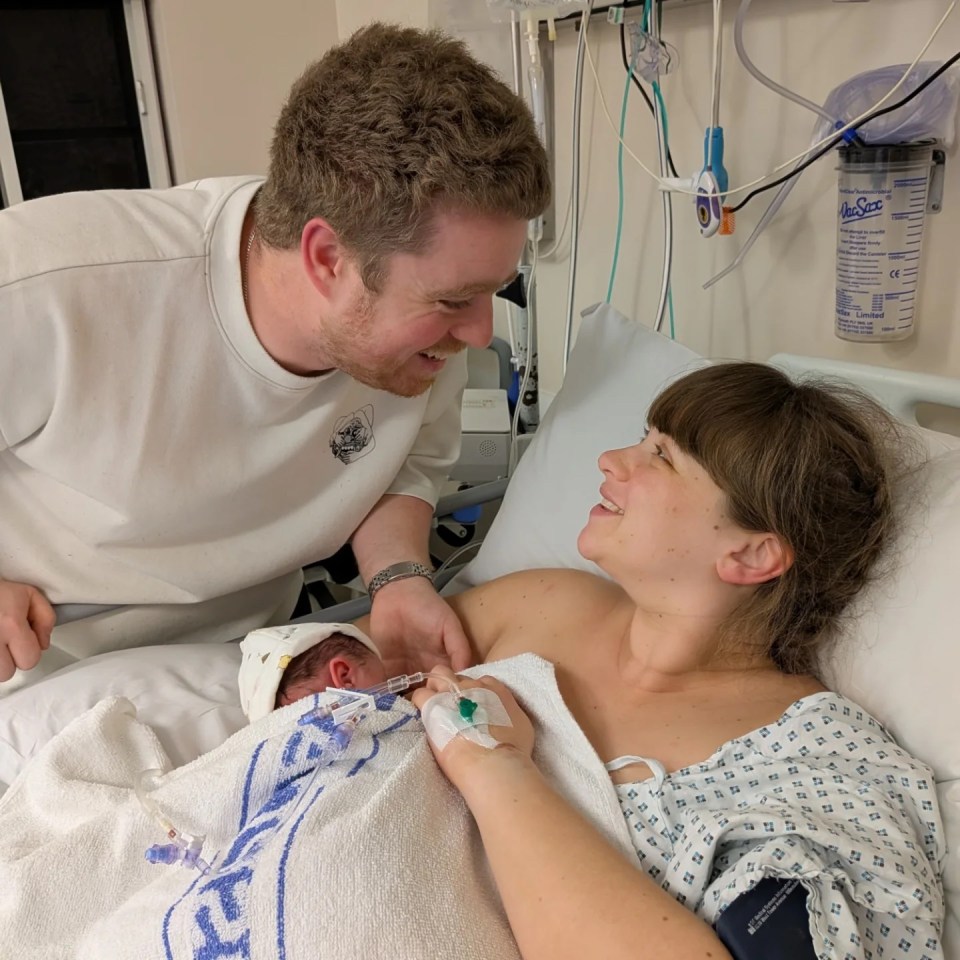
397,571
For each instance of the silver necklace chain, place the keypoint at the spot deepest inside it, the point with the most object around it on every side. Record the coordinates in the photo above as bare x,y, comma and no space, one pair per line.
246,265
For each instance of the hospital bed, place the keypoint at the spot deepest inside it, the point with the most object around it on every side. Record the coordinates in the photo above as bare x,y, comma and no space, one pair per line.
898,656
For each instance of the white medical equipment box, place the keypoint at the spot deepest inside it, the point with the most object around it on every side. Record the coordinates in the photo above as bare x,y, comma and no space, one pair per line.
485,443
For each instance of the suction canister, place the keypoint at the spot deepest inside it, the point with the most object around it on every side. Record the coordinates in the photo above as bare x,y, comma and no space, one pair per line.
881,210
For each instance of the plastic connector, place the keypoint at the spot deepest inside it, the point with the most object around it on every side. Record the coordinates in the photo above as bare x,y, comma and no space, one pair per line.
163,853
713,157
651,57
352,703
849,136
184,850
712,184
709,213
686,184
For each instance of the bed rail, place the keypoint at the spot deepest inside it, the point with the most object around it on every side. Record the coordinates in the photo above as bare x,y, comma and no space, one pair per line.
900,391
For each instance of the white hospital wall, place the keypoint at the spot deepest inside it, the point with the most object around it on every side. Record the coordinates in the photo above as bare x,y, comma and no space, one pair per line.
224,68
782,298
352,14
226,65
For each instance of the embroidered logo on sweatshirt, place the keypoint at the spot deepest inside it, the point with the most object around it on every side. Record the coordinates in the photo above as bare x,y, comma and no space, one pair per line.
353,435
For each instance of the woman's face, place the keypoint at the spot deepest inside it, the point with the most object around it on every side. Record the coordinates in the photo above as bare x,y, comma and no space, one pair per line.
661,520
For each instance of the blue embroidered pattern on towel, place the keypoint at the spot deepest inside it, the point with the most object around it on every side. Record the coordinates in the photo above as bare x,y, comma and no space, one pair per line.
274,805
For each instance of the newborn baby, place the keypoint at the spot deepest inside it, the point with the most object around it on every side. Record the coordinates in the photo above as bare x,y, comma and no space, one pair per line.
339,661
281,665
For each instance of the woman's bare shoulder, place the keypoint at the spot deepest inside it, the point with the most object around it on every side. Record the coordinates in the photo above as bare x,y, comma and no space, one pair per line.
553,585
532,600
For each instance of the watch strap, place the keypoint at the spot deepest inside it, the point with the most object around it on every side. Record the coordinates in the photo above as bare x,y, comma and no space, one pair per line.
397,571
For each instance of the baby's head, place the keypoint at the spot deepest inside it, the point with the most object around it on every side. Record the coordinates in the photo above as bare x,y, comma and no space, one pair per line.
339,661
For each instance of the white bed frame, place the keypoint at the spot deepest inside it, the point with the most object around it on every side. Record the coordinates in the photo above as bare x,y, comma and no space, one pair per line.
900,391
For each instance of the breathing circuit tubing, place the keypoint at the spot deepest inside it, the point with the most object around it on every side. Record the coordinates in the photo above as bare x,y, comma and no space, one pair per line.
666,198
582,53
790,179
761,77
850,125
836,140
787,181
575,184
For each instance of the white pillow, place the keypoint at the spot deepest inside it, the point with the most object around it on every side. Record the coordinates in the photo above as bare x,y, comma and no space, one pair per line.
616,369
899,654
187,693
900,658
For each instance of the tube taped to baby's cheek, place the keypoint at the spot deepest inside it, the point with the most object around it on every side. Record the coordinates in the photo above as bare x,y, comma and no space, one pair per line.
443,719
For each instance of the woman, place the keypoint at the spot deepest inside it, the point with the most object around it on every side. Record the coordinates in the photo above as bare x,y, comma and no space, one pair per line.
734,536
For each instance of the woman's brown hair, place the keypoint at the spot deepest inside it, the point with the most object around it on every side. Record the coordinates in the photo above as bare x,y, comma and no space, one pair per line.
813,463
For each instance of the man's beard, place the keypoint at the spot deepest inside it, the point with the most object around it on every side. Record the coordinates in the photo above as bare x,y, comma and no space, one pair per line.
396,380
352,341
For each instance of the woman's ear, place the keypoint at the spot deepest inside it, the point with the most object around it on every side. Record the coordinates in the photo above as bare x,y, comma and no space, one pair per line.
759,558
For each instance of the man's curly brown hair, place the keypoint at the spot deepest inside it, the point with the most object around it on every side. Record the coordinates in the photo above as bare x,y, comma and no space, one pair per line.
385,130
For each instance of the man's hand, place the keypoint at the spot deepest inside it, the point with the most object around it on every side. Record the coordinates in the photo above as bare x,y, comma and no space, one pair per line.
26,621
416,629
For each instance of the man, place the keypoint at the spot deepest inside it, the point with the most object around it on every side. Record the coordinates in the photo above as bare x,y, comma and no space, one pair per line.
203,389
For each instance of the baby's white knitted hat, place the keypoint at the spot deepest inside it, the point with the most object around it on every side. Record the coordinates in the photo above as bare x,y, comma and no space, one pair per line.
268,651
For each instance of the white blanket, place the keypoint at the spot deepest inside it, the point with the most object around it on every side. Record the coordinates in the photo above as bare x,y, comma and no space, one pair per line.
379,858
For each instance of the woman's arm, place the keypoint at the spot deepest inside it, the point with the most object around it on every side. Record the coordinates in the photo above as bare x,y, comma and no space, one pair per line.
566,891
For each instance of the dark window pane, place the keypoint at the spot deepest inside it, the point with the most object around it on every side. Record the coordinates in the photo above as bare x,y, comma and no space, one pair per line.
58,166
59,68
68,91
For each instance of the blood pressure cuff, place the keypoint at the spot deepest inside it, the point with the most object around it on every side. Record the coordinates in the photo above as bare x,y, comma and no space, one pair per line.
771,920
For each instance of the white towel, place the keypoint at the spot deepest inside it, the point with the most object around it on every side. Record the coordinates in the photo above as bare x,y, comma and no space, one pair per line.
380,858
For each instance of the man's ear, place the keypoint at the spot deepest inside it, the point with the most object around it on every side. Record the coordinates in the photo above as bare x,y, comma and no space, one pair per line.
759,558
323,256
343,673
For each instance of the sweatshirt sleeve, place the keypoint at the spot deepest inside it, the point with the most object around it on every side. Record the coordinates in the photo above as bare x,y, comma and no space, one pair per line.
28,363
437,446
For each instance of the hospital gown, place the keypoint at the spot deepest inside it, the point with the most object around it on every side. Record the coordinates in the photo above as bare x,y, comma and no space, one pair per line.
822,795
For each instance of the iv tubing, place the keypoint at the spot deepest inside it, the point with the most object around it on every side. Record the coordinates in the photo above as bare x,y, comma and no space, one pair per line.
666,138
459,552
665,184
535,80
665,196
183,848
531,319
149,805
762,224
717,61
517,58
788,183
762,77
717,58
616,243
575,180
